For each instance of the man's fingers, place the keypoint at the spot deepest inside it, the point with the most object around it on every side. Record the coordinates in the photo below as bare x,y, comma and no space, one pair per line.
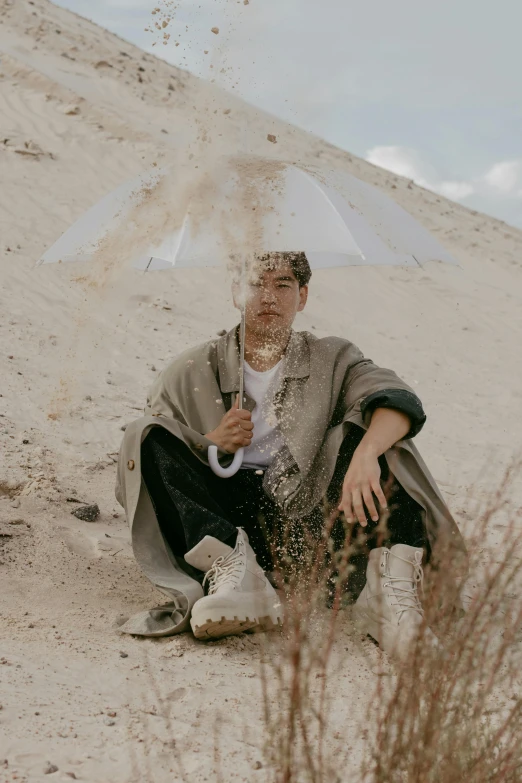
242,438
240,414
370,505
346,506
240,424
352,506
379,494
358,507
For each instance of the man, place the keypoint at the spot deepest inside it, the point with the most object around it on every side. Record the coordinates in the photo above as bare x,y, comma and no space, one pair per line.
322,427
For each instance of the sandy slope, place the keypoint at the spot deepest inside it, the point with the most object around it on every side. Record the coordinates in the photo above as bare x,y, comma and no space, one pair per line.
77,117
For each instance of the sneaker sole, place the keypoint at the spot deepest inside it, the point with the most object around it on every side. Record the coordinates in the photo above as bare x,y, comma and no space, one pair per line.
216,629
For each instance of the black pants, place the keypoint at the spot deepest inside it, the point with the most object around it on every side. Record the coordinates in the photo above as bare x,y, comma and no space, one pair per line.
191,502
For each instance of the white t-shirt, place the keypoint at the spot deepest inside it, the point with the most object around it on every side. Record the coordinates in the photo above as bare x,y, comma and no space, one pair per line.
267,440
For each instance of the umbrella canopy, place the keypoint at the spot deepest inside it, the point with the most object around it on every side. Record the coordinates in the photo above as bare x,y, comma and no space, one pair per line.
251,205
243,207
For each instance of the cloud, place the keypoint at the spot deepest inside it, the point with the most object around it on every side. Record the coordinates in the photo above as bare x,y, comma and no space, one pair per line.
456,191
407,163
502,181
505,177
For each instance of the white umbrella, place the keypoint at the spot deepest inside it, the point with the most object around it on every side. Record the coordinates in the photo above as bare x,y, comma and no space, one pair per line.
246,206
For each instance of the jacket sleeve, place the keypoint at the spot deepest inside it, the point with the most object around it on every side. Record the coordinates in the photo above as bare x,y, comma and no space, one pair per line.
369,387
401,400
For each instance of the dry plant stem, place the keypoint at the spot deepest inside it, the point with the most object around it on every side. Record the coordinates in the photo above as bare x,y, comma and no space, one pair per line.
166,714
446,714
217,750
298,749
297,726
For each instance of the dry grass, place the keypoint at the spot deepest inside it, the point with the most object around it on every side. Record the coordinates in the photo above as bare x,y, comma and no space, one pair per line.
455,713
448,714
296,668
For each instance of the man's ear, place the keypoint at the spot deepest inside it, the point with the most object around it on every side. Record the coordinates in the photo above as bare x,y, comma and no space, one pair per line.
303,297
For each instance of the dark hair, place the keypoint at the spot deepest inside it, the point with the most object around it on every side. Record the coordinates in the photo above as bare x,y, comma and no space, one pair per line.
297,260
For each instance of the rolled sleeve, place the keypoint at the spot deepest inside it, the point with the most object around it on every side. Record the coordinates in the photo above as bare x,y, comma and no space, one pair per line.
399,399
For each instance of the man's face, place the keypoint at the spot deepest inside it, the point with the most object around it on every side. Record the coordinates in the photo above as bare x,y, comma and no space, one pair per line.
273,298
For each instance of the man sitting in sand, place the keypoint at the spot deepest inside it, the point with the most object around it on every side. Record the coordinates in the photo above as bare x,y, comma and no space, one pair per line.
323,427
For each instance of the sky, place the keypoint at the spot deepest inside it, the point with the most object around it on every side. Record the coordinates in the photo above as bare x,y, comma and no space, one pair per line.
432,91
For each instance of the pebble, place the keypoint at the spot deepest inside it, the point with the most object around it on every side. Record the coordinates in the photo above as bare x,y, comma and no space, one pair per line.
109,722
124,654
87,513
15,503
50,768
214,30
272,138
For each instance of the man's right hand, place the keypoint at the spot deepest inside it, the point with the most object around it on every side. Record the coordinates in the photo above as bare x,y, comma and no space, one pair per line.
235,430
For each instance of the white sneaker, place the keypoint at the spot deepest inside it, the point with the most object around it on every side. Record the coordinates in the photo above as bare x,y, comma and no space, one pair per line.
389,608
240,597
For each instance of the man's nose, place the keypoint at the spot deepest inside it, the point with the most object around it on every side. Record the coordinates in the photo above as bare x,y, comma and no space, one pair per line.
267,295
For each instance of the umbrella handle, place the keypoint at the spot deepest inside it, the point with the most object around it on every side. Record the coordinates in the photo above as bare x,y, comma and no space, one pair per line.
218,469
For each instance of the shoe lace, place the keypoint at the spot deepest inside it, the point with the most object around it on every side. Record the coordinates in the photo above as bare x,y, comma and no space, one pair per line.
406,597
226,568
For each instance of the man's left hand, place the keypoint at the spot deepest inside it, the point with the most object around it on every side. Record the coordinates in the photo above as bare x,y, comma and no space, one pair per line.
361,483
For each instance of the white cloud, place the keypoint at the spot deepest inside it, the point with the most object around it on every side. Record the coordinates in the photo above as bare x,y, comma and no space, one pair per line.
454,190
496,189
407,163
505,177
400,160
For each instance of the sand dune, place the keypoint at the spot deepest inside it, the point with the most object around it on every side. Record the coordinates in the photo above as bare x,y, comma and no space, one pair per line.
80,112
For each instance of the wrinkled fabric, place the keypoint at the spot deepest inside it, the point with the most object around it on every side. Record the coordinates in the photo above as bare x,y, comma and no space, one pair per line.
322,394
190,502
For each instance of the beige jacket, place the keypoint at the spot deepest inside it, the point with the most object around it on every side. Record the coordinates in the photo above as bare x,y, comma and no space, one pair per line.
325,382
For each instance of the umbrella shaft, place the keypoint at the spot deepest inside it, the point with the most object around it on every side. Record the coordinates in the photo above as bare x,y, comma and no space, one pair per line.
242,358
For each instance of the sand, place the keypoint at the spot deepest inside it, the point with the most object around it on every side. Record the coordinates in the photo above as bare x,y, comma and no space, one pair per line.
80,112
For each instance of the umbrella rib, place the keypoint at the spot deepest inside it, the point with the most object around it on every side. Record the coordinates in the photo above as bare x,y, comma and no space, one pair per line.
326,195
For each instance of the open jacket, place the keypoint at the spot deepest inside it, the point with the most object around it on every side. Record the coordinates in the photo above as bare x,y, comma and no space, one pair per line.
328,385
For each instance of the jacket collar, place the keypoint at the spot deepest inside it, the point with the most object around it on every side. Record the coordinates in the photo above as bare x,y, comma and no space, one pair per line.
297,359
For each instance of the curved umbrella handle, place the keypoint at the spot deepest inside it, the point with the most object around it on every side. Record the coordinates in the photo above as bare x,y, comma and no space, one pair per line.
218,469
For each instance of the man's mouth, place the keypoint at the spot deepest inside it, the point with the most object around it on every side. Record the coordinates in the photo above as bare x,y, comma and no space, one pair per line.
268,312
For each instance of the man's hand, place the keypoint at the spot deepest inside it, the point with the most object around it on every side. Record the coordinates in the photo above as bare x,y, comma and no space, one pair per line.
235,430
362,480
361,483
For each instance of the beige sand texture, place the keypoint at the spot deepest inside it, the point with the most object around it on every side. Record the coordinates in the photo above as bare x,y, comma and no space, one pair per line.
81,111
